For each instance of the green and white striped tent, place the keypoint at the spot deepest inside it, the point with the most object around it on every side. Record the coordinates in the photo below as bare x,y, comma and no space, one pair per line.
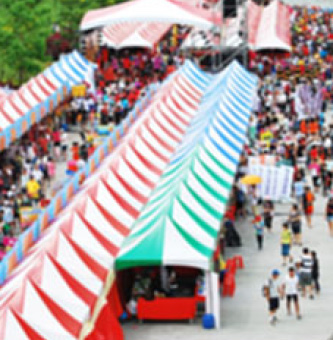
180,223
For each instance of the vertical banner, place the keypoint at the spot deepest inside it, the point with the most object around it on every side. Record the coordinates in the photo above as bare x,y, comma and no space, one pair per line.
276,182
287,181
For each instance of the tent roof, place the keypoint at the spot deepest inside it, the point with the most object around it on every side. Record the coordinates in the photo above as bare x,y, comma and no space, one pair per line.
269,27
52,292
180,223
36,94
125,35
148,11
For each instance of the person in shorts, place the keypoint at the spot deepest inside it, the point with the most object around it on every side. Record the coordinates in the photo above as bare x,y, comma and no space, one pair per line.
306,273
286,240
296,224
290,290
272,293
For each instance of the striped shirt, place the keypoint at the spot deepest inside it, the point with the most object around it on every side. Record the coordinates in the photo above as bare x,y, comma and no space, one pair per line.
306,261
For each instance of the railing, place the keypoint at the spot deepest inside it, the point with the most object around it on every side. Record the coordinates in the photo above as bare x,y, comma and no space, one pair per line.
30,236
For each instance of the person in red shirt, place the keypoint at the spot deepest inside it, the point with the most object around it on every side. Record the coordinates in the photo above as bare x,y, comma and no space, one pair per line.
43,143
314,153
75,151
127,65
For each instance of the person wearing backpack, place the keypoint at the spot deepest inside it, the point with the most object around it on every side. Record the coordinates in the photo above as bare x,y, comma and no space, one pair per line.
272,292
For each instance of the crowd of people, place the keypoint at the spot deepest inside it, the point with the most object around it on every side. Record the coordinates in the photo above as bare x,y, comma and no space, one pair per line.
28,167
293,98
291,108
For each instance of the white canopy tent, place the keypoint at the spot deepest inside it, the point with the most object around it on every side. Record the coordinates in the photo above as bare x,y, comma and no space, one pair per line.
167,11
126,35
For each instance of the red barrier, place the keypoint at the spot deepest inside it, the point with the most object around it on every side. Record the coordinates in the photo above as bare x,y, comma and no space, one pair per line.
229,284
231,266
167,309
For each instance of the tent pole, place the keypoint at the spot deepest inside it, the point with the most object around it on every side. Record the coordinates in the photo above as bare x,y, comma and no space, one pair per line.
208,300
212,302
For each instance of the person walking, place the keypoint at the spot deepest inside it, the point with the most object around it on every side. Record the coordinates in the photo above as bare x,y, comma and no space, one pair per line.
306,273
299,189
290,290
268,214
315,272
329,215
315,174
258,225
308,205
273,292
296,224
253,198
286,240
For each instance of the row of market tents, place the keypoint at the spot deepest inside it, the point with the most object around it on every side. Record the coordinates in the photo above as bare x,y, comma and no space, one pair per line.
180,155
132,25
21,109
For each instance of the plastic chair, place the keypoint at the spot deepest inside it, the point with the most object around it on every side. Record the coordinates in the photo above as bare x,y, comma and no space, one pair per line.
229,285
231,266
239,262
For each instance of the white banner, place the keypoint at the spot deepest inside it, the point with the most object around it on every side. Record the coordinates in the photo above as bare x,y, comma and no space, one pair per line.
263,160
276,181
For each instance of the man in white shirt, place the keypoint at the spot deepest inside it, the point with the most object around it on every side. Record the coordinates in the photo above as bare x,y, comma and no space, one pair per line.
290,289
38,174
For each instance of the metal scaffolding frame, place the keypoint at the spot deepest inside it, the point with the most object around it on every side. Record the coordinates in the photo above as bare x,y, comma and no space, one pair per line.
219,62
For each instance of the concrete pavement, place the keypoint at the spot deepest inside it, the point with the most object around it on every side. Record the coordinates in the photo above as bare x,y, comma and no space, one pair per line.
321,3
244,317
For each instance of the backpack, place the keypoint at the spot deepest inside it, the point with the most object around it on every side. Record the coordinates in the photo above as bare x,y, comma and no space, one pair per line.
240,196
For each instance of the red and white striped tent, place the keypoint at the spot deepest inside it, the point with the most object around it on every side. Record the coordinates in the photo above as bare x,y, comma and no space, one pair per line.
17,104
22,108
3,94
61,288
134,35
167,11
269,27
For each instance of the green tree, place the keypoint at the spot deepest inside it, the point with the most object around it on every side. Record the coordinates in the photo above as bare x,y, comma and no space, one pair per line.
70,14
24,24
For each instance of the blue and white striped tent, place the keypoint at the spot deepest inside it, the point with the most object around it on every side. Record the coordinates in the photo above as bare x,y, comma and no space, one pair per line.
180,223
28,105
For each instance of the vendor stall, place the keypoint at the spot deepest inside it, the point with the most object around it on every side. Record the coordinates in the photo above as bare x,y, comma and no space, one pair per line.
180,224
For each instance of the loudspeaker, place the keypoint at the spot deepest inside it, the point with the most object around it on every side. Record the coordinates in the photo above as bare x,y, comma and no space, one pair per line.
229,8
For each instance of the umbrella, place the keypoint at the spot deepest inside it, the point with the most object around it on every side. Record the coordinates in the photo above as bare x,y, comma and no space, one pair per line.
250,180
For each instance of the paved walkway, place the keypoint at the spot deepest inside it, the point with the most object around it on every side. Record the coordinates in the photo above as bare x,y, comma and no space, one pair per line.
244,317
60,176
322,3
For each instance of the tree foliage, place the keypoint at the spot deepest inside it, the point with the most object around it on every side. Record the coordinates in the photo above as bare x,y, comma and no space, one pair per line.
25,26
